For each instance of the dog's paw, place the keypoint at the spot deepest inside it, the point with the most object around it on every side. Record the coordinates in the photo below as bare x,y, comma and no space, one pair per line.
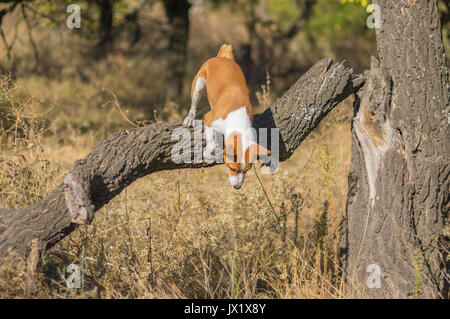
208,158
268,167
188,121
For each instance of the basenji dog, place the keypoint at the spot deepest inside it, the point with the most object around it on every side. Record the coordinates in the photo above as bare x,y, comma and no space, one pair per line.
230,114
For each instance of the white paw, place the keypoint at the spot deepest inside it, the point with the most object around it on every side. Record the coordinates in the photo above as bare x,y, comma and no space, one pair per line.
208,159
188,121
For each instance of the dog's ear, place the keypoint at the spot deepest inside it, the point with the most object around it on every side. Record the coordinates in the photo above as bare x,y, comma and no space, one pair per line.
232,151
254,151
261,151
229,153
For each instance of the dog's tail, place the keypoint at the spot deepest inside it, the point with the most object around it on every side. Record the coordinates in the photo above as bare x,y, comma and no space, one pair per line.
226,51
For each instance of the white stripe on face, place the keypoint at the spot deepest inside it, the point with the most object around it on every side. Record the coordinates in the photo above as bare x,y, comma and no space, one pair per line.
236,180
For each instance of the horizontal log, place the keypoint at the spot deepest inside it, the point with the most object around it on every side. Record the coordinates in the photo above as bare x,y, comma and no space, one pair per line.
130,154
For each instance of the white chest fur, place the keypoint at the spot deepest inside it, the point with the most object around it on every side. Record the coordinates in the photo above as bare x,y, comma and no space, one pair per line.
237,121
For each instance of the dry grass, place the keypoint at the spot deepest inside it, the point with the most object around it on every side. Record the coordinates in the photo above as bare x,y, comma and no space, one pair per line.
187,233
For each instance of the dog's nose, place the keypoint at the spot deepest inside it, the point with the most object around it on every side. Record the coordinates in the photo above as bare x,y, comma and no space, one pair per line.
237,186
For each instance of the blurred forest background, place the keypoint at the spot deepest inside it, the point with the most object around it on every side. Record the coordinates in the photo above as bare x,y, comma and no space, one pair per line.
170,234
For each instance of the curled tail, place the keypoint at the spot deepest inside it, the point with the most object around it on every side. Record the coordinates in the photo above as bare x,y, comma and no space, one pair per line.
226,51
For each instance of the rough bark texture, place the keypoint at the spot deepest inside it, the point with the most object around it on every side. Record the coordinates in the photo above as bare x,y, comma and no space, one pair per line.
126,156
398,202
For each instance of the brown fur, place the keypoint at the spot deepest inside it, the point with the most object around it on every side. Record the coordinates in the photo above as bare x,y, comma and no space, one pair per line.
226,86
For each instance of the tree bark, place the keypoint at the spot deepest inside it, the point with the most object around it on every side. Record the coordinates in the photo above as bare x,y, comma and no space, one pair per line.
126,156
398,202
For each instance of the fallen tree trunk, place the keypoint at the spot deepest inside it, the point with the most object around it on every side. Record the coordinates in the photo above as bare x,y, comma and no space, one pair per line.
128,155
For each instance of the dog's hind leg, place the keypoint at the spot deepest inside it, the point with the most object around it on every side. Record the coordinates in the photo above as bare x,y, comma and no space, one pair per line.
198,87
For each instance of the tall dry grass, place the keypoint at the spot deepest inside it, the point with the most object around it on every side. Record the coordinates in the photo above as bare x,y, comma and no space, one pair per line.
185,233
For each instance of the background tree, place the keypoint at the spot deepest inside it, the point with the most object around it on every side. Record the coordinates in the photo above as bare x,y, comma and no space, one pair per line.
105,23
177,12
274,27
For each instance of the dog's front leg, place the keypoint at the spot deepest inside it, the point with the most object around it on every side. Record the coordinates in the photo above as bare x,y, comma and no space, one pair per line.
198,87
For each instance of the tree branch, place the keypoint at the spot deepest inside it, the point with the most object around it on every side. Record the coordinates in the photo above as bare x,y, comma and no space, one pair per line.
128,155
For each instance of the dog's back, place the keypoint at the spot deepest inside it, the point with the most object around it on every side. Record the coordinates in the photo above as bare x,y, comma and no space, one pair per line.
226,86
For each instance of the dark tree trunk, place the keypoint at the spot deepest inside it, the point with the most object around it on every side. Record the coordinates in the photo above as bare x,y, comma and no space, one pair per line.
126,156
106,25
398,201
177,12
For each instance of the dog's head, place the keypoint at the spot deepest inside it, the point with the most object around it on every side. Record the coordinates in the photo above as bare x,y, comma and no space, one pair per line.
239,157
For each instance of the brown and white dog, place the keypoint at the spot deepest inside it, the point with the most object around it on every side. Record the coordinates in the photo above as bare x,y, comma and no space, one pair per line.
230,115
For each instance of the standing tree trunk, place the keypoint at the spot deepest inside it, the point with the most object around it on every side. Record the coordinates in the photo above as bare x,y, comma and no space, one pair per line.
106,25
397,207
177,12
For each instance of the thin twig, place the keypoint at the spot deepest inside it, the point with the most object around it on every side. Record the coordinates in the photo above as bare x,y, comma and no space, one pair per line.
267,197
123,223
119,108
178,218
87,258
